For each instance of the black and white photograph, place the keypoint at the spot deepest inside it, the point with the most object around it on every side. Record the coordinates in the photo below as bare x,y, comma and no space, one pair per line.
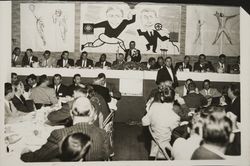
125,83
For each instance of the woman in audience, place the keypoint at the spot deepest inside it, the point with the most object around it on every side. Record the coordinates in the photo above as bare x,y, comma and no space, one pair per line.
217,134
161,120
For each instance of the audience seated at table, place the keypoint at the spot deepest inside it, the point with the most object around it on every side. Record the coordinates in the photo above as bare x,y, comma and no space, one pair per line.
102,63
84,61
76,81
31,80
132,54
29,60
221,66
42,95
60,89
202,65
47,60
21,99
167,73
183,66
83,118
75,147
16,58
150,64
65,61
193,99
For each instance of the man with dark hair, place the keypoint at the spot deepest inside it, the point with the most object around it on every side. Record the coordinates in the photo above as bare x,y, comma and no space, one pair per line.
234,107
31,80
182,66
203,65
42,95
15,59
84,62
29,59
14,78
167,73
151,64
217,134
103,62
221,66
82,115
119,60
194,99
132,54
235,68
75,147
183,89
61,89
47,60
65,61
76,82
160,62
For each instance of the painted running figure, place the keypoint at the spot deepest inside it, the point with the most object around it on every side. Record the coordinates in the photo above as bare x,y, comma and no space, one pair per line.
60,20
198,30
114,26
222,20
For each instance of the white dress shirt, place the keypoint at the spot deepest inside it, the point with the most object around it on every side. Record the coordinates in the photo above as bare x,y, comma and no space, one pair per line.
171,73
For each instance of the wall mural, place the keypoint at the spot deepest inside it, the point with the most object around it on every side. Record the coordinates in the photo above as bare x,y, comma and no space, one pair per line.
213,30
47,26
110,27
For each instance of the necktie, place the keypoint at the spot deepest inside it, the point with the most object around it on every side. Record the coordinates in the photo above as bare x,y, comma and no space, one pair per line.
56,89
151,33
84,63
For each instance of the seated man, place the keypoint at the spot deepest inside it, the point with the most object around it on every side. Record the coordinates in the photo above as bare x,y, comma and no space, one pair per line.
209,92
84,62
101,90
42,95
76,82
11,115
16,58
132,54
119,60
47,60
31,80
183,89
160,62
65,61
182,66
22,101
29,60
75,147
14,78
82,123
234,105
103,62
221,66
151,64
194,100
203,65
235,68
61,89
217,134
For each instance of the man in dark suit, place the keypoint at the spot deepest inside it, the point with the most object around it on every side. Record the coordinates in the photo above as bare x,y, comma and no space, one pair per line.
76,82
160,62
182,66
103,62
167,73
84,62
221,66
82,123
103,91
203,65
61,90
65,61
119,60
16,60
29,58
194,99
234,107
132,54
151,64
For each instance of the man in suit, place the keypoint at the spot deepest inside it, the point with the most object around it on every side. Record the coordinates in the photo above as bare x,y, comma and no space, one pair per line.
182,66
234,105
82,123
29,59
203,65
76,82
167,73
21,101
65,61
132,54
84,62
151,64
101,90
31,80
61,89
47,60
160,63
103,62
16,58
183,89
235,68
221,66
14,78
119,60
194,99
209,92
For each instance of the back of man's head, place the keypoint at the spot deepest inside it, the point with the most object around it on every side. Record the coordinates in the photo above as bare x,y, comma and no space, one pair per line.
74,147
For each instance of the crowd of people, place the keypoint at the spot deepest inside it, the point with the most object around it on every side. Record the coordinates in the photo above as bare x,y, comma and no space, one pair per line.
131,55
